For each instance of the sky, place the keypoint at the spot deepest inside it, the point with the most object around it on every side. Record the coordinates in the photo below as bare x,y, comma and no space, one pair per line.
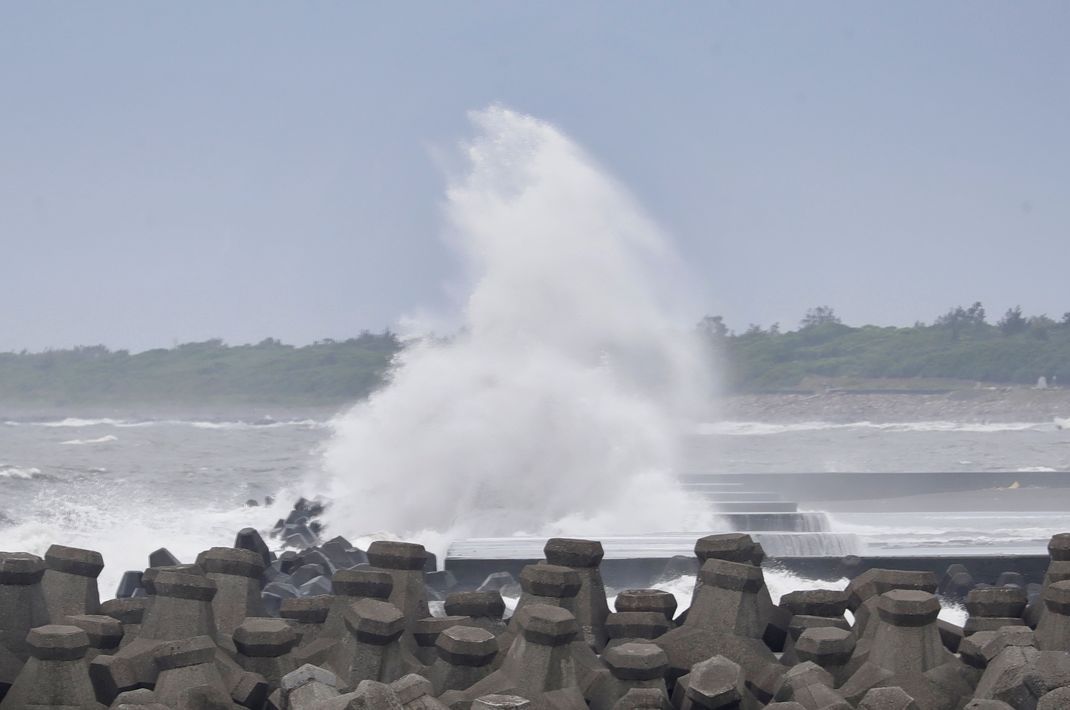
173,172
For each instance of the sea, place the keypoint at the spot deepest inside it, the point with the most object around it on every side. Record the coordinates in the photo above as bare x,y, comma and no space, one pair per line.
136,480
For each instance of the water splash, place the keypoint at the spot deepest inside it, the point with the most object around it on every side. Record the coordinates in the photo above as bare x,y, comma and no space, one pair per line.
559,406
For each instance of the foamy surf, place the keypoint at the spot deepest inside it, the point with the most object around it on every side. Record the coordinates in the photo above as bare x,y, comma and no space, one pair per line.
106,439
237,425
25,473
554,408
126,533
755,428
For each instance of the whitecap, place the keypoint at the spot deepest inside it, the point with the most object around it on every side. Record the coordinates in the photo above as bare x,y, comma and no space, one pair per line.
757,428
9,471
99,440
78,422
243,425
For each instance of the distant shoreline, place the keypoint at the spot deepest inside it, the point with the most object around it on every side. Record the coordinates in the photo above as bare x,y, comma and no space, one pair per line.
830,401
974,404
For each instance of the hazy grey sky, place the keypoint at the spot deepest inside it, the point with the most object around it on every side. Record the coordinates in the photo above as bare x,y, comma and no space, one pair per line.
179,171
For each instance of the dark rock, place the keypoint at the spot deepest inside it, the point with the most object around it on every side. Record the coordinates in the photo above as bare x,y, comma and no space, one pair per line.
249,539
281,590
306,572
274,573
288,562
163,558
315,587
271,602
130,581
315,556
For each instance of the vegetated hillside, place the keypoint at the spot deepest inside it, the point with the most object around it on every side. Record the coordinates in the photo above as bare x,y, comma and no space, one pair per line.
324,372
959,345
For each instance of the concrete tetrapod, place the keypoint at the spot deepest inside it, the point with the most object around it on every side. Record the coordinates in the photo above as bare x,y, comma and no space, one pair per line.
992,608
416,693
70,581
484,609
591,607
464,658
263,647
404,562
1053,630
714,684
372,649
726,620
237,576
633,666
22,600
906,651
55,676
539,665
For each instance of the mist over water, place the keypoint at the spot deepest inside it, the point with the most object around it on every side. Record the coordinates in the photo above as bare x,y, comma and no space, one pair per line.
559,405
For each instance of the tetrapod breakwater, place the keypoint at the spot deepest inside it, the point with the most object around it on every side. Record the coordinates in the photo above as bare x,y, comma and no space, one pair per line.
329,625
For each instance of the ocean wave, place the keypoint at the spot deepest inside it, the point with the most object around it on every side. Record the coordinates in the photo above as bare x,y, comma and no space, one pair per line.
241,425
77,422
10,471
752,428
1036,469
99,440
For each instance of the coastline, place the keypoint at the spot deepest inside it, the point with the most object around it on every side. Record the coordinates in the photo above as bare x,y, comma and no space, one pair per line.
980,404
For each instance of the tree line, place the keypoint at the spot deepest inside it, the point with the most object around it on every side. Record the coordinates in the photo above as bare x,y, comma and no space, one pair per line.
961,344
326,371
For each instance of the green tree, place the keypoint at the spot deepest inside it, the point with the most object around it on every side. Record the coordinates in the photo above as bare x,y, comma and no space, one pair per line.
1013,322
821,315
958,319
713,327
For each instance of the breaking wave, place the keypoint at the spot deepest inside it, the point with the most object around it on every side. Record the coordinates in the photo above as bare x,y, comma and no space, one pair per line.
78,423
99,440
11,471
558,407
752,428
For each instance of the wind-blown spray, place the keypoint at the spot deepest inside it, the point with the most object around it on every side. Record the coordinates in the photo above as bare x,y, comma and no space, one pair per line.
558,406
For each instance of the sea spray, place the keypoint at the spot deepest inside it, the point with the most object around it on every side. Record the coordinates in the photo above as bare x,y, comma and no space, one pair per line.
558,406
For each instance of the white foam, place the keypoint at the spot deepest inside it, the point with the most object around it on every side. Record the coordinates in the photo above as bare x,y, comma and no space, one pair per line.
244,426
107,438
780,582
555,409
11,471
753,428
1035,469
75,422
125,531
